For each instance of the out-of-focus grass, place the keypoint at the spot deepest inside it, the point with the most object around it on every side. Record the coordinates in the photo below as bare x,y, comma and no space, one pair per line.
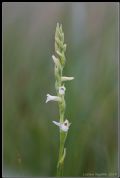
30,139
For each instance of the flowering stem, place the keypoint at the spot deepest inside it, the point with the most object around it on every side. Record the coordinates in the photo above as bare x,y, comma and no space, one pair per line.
59,62
58,35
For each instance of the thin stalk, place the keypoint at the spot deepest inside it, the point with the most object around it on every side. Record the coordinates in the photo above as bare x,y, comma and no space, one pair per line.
62,153
62,138
59,61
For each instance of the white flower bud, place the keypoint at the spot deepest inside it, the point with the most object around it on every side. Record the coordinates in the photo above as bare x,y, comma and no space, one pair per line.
56,60
66,78
60,54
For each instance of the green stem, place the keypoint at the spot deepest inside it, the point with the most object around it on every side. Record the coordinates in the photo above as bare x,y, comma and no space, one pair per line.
62,153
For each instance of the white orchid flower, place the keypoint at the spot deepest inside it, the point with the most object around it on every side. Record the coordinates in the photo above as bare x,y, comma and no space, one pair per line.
52,98
62,90
66,78
64,126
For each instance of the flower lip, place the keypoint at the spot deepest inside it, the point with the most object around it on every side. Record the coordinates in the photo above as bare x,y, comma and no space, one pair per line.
65,124
62,90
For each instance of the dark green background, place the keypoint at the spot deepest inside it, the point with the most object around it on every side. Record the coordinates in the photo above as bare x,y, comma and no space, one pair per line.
30,140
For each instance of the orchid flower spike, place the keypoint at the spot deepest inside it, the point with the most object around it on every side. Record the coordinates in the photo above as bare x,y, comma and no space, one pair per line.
64,126
62,90
59,60
52,98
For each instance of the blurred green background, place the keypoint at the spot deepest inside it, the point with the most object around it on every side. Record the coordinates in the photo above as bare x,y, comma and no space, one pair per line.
30,140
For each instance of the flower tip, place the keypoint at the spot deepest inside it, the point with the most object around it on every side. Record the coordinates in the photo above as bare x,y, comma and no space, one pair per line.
71,78
56,123
56,60
47,98
53,56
